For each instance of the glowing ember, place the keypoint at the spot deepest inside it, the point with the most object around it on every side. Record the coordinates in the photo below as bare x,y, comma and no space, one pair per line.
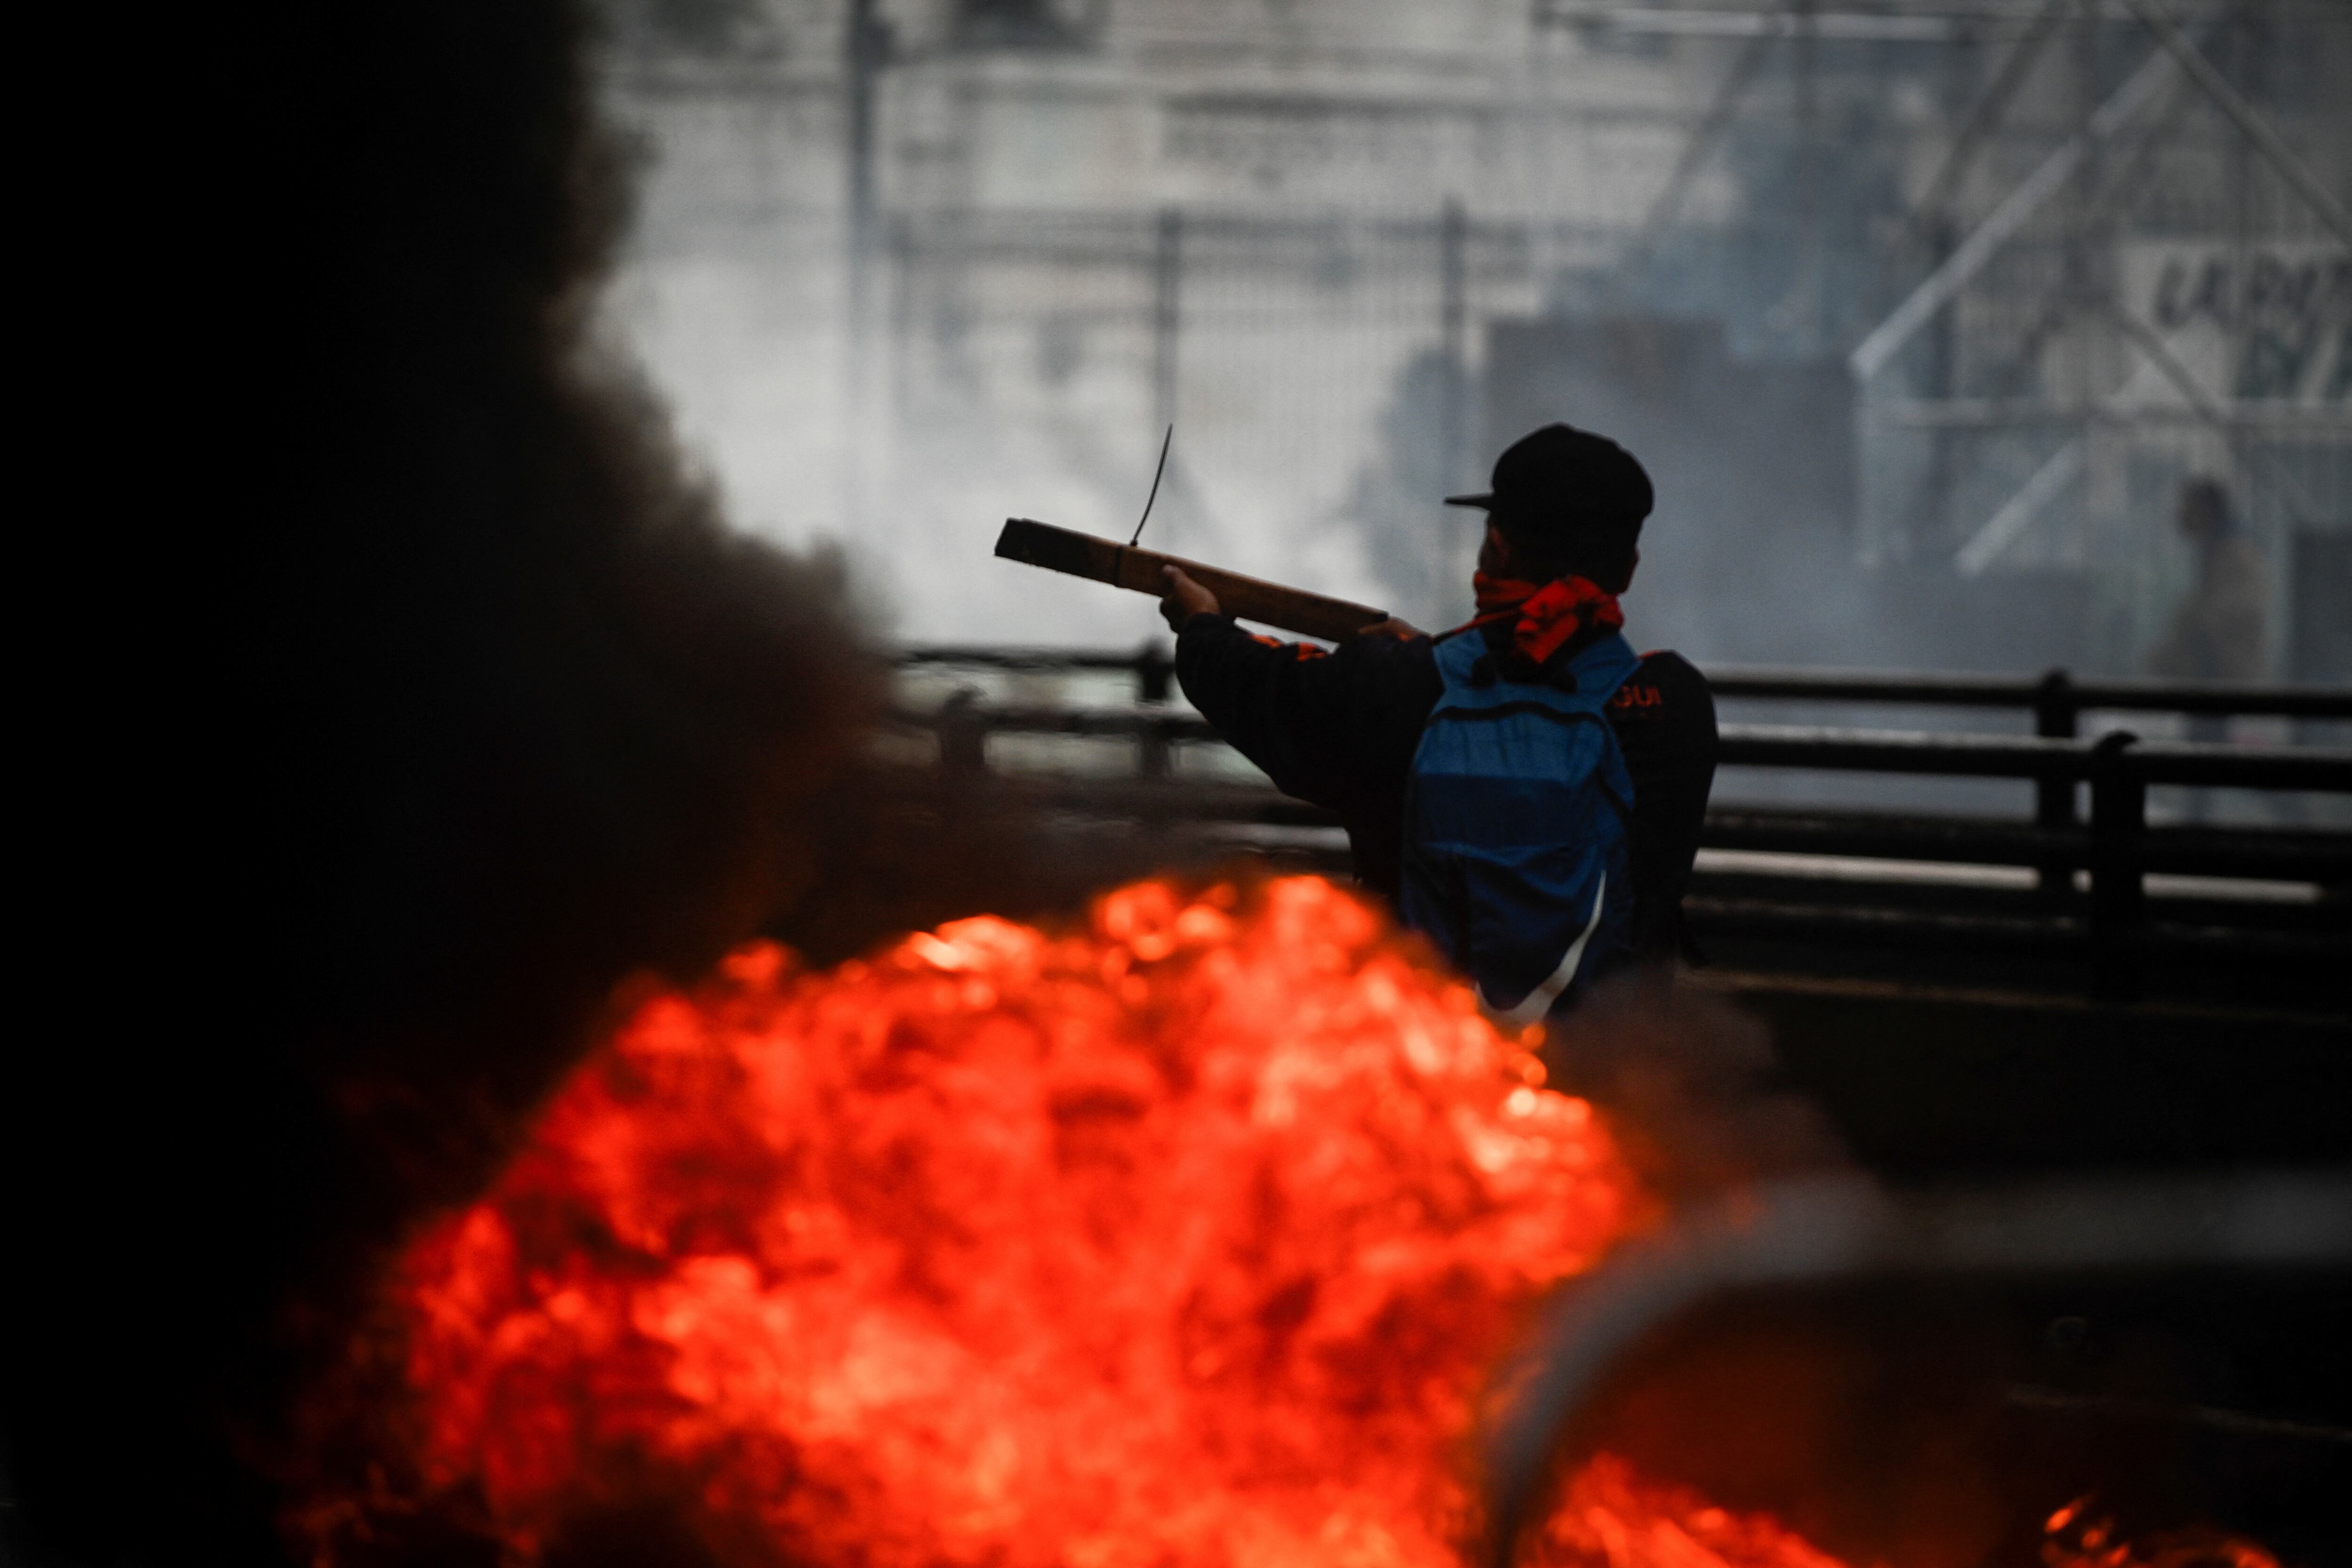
1609,1514
2076,1536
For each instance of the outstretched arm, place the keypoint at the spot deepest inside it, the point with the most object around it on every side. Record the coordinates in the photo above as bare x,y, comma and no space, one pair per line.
1327,727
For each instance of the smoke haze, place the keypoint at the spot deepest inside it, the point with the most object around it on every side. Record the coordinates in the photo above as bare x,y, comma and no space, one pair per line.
481,708
476,705
1353,251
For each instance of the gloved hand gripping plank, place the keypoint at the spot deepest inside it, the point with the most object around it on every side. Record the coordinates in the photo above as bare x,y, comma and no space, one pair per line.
1139,571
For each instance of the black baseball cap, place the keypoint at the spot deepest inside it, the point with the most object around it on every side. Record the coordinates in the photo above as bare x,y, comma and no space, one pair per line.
1568,492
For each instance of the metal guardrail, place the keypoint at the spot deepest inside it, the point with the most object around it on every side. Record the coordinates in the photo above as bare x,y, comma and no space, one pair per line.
2116,756
2057,700
2114,843
1150,664
2042,760
2276,854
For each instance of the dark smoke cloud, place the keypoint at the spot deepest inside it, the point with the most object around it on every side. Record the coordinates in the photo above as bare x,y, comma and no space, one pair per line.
477,709
1691,1088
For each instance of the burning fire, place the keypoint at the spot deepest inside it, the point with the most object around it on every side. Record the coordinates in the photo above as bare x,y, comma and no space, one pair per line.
2075,1537
1185,1239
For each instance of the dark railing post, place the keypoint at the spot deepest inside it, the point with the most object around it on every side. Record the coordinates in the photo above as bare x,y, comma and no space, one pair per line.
2054,718
1152,668
963,736
2118,890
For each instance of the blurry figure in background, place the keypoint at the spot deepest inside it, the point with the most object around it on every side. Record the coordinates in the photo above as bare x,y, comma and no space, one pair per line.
2221,628
1525,786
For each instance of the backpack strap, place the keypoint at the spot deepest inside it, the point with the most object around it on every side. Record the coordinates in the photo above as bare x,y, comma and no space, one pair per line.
1538,1002
1596,672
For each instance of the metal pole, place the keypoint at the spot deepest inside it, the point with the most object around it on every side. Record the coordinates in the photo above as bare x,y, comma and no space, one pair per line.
1871,354
866,48
2118,890
2088,262
1711,127
1152,670
865,44
1453,329
2055,715
2150,342
902,317
2325,202
2020,366
1809,175
963,737
1934,219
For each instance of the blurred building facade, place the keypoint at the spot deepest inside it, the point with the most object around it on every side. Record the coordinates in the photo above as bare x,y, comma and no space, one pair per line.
909,268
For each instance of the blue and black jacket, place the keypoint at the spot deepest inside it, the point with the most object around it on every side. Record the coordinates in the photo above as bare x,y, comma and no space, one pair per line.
1340,729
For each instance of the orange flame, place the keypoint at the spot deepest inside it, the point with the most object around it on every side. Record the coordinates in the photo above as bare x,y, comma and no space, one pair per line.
1182,1240
2076,1538
1611,1514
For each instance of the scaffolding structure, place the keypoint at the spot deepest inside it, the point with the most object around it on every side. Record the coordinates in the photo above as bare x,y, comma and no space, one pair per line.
2074,251
2165,293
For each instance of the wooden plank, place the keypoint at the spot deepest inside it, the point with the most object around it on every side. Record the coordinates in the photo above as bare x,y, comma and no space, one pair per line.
1138,570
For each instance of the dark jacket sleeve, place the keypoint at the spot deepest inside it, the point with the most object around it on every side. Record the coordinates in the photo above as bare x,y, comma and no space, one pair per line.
1335,729
1664,719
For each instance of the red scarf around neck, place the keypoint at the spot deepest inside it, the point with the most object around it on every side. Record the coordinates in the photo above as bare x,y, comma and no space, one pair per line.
1549,615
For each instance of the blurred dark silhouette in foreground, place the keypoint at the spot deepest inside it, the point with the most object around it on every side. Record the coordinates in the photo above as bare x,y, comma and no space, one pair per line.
480,708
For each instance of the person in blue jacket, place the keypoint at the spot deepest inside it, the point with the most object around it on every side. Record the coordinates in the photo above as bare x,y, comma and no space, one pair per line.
1524,787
